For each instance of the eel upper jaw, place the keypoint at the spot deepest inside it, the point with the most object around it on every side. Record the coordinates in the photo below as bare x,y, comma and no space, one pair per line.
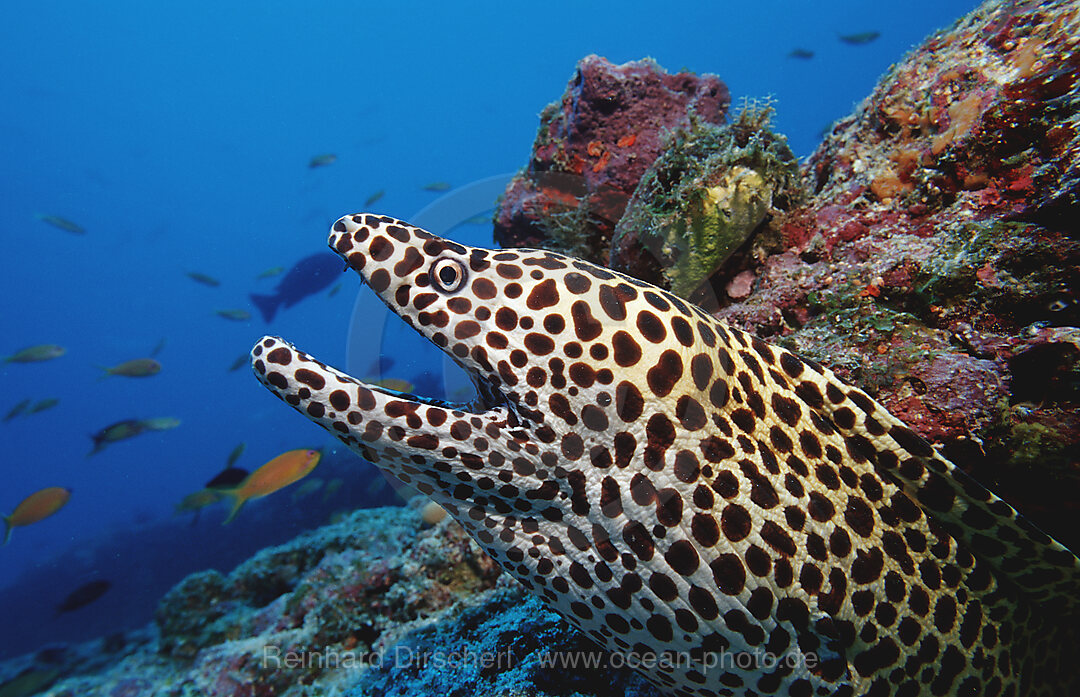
488,396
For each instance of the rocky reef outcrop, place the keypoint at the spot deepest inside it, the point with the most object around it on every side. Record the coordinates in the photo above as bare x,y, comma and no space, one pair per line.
928,251
379,603
937,261
592,148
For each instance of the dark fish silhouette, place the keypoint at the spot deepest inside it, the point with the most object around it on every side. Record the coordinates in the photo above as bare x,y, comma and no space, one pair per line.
83,596
309,276
863,37
121,430
228,478
129,428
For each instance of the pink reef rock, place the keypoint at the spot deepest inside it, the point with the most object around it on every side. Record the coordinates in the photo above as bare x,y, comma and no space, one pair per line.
592,148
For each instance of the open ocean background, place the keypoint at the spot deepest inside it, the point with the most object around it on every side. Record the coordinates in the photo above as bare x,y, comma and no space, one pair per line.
179,136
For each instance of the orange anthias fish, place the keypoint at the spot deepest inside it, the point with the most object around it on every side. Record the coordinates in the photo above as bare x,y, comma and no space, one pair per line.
35,507
280,472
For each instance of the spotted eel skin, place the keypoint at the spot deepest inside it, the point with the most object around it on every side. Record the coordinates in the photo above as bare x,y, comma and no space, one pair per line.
680,489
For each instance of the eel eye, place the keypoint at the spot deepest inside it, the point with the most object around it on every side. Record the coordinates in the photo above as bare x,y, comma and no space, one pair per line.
448,275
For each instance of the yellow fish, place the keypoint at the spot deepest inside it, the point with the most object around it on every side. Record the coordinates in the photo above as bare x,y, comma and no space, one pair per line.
33,354
136,368
280,472
37,506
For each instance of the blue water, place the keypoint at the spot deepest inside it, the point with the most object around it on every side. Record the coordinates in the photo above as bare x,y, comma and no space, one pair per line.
179,134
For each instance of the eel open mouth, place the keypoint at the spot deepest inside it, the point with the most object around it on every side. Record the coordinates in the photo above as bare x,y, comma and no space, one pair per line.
417,275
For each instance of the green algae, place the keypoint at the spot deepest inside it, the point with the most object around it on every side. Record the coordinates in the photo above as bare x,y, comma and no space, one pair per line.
569,232
866,338
1015,270
707,193
1028,439
1035,444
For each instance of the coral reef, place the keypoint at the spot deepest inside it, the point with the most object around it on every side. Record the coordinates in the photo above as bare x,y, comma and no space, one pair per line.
982,116
380,603
592,148
935,259
504,643
142,563
937,263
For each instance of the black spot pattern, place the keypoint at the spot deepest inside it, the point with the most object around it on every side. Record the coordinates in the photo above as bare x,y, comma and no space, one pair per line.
628,442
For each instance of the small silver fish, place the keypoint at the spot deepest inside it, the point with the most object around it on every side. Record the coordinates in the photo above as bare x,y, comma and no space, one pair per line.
36,354
322,160
61,223
42,405
203,279
863,37
234,314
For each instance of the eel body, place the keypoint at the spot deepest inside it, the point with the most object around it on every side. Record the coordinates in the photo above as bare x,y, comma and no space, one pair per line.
685,493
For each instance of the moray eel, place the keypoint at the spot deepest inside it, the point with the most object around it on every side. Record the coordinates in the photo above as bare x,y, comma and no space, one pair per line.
737,518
